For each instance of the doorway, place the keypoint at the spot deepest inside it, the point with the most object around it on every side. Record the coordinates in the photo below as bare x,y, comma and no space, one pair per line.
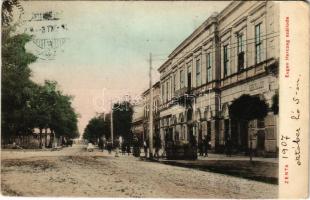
244,135
189,80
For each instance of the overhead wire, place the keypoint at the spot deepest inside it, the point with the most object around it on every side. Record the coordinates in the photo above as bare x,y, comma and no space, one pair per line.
231,46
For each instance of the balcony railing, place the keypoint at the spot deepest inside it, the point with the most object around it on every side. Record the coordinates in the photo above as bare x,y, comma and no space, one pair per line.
183,91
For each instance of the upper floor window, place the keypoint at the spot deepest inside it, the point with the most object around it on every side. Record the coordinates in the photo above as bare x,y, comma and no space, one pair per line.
163,92
226,60
209,67
240,52
155,106
167,90
182,79
198,80
258,44
240,43
174,82
189,76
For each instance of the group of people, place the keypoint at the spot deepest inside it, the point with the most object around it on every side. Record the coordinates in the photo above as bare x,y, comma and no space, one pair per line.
157,146
130,147
135,146
126,148
107,144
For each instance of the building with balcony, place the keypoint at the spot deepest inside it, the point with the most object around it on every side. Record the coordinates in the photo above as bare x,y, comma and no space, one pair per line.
233,54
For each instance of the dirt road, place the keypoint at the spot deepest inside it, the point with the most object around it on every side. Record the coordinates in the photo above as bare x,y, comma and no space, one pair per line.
75,172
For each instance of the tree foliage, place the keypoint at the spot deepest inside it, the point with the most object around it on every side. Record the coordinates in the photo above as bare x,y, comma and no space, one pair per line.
7,11
248,107
101,126
96,128
17,88
25,104
275,104
122,118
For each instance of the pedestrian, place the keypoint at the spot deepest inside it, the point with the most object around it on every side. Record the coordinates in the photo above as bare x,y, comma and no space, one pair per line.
128,148
136,146
157,145
145,146
124,148
200,147
104,143
109,146
100,144
193,141
116,146
205,146
228,146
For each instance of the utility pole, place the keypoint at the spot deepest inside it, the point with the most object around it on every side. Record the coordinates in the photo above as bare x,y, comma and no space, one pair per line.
112,123
151,111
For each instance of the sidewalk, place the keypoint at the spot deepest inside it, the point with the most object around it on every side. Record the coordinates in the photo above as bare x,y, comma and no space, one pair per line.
260,169
213,156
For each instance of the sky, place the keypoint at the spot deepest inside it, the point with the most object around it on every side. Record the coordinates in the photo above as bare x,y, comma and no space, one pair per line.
104,47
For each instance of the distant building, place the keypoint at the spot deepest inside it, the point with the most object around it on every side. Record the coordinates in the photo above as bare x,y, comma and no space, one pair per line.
233,53
146,108
137,120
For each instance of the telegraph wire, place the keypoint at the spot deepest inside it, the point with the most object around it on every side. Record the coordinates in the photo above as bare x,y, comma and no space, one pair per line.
262,36
231,46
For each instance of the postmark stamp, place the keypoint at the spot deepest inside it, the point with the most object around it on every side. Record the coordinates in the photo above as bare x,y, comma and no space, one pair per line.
48,31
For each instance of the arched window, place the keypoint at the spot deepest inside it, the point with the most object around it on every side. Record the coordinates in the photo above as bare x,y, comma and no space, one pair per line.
198,115
181,118
189,114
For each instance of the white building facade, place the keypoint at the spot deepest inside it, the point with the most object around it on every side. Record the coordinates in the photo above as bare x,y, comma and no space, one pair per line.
231,54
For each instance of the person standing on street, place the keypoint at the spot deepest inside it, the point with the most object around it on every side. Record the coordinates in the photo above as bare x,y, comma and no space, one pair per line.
228,146
200,147
104,145
109,146
205,146
116,145
157,146
128,149
123,146
145,146
136,146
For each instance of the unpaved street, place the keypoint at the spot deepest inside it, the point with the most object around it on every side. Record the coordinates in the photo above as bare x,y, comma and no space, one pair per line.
75,172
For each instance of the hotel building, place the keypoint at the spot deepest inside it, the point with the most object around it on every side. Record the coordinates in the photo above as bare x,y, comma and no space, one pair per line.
234,53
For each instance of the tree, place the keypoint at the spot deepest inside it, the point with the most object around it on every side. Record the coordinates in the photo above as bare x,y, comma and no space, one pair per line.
95,129
247,108
122,118
63,119
7,11
17,88
25,104
275,104
15,94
